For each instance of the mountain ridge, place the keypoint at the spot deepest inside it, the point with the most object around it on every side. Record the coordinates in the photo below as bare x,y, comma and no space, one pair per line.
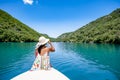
13,30
105,29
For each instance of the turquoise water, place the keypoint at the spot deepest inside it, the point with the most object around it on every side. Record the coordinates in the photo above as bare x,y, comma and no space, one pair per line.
77,61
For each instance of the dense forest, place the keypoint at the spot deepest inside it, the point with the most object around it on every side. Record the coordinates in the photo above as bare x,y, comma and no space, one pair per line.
12,30
105,29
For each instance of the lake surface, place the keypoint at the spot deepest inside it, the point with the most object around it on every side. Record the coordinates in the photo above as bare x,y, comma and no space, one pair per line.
78,61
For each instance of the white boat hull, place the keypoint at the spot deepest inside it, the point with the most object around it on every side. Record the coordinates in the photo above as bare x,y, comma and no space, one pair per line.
51,74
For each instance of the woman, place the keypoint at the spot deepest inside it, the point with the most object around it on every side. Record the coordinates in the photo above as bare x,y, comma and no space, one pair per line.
42,60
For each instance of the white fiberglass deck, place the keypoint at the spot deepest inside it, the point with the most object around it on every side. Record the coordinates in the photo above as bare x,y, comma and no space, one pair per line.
51,74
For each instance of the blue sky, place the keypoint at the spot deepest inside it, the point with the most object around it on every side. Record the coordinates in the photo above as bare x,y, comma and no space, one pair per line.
54,17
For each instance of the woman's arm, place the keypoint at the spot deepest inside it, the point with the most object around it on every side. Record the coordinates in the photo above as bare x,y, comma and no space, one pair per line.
51,47
36,52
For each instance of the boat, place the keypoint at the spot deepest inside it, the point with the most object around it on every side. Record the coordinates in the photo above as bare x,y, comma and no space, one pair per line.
51,74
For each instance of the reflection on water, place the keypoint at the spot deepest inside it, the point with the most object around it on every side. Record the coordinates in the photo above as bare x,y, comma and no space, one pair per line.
102,53
78,61
15,58
98,59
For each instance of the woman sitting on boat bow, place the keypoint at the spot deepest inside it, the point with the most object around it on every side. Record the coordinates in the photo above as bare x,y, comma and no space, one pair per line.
42,60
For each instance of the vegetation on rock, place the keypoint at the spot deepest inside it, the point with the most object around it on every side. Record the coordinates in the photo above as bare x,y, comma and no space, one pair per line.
103,30
12,30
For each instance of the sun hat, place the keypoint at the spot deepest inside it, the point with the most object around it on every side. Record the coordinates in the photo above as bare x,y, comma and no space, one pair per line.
42,41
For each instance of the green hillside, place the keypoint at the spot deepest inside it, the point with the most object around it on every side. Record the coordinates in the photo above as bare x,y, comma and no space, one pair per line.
12,30
103,30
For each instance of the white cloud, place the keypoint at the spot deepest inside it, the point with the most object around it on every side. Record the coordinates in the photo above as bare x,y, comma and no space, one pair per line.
28,2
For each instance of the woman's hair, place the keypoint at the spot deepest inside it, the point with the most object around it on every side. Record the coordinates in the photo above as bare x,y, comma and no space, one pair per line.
39,49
